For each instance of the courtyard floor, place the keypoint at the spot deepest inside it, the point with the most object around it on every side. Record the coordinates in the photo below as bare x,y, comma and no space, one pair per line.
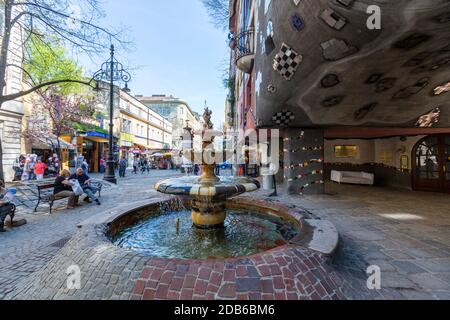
406,234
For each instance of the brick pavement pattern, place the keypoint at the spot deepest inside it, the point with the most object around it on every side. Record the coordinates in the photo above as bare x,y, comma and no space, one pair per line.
405,233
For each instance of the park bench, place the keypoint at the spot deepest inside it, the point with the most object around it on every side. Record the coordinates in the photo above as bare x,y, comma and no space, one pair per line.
45,194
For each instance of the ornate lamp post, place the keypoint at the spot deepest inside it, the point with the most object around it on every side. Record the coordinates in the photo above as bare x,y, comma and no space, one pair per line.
112,71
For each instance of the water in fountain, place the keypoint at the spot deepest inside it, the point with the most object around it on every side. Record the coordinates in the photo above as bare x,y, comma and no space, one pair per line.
207,229
171,234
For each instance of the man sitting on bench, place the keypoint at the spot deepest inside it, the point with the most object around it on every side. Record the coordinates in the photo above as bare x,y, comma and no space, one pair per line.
85,183
63,188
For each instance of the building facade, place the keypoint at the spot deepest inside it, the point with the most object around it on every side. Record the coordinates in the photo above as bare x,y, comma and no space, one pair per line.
179,114
141,130
11,112
346,92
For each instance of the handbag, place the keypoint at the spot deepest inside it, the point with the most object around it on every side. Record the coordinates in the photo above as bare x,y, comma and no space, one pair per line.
76,188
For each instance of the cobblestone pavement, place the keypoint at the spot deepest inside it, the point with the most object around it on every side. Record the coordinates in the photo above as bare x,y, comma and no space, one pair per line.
286,273
26,249
405,233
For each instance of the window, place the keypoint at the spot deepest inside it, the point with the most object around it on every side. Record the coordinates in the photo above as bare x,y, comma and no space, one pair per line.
345,151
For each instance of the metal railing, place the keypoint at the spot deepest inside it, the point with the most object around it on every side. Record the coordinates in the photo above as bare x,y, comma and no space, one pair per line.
245,43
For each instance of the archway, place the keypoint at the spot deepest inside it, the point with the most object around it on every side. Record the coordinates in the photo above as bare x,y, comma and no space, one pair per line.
431,164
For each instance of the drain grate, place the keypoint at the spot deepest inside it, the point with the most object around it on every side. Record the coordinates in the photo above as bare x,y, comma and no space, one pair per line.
61,243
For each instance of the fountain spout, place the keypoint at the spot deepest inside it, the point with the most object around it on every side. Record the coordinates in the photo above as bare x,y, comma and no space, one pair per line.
209,193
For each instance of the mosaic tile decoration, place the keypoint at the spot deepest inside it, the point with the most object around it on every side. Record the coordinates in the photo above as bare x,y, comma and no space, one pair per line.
272,89
345,3
270,29
287,61
283,118
333,19
407,92
364,111
297,22
444,88
336,49
412,41
430,119
332,101
374,78
385,84
330,80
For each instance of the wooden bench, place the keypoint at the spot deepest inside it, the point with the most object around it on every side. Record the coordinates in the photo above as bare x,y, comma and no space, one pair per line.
6,209
45,194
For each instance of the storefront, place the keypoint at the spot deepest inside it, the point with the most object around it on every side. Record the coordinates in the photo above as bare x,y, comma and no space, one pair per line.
44,148
93,146
126,146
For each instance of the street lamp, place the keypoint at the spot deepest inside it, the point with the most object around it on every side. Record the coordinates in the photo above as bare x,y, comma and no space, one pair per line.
112,71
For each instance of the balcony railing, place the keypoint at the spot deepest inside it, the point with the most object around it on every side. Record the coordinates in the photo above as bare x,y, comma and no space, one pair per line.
245,49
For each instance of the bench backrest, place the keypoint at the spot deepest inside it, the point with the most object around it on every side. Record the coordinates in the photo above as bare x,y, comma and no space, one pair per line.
46,186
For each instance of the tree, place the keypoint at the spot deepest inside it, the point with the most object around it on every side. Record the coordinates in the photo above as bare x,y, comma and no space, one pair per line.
219,11
55,115
73,22
47,61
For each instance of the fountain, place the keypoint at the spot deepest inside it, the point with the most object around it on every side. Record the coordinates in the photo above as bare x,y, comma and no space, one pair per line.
209,193
205,232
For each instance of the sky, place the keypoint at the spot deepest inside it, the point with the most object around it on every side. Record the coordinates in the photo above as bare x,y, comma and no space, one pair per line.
177,51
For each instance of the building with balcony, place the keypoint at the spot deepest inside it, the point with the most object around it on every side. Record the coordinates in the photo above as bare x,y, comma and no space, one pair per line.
240,104
138,130
141,129
346,94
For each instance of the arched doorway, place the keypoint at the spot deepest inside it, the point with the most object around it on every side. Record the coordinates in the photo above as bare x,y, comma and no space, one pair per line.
431,164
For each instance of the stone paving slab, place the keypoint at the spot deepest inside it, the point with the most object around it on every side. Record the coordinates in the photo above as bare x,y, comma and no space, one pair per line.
405,233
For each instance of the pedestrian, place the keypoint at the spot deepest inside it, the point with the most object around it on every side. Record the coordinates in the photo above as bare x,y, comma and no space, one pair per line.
39,170
63,188
26,170
135,165
196,169
102,165
123,164
86,185
31,166
56,164
85,166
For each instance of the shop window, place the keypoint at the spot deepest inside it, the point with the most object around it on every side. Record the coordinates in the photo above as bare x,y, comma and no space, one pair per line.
345,151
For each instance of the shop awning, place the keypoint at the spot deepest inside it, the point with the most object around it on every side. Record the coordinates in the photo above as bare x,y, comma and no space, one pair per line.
51,143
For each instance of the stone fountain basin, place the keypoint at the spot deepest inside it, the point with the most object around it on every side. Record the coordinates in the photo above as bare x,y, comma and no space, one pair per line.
300,270
318,235
190,186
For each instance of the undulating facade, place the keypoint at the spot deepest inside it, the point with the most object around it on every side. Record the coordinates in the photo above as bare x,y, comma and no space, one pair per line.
351,86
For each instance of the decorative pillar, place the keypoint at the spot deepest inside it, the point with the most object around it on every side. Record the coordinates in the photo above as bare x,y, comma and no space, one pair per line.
304,157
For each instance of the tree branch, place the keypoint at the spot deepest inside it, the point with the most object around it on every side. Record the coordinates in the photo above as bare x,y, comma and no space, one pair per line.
17,95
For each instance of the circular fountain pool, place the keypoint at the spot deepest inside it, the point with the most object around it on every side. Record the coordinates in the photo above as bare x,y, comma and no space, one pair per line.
172,235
